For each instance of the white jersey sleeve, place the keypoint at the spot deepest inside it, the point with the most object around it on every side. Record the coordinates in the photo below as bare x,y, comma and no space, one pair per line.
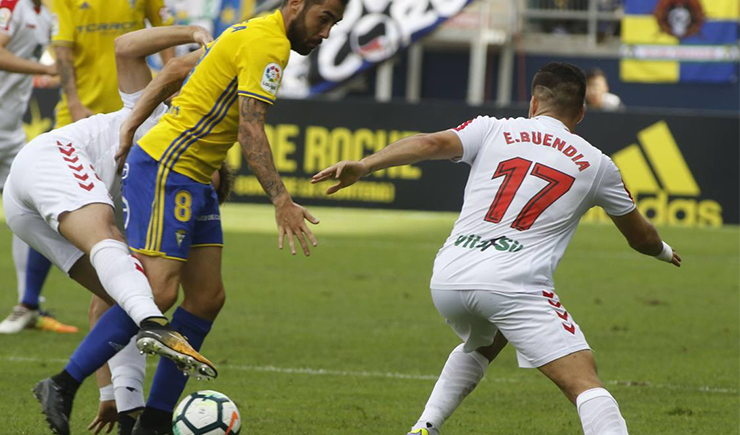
611,194
474,134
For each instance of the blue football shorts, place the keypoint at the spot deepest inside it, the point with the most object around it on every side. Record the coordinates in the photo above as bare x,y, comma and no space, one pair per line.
167,213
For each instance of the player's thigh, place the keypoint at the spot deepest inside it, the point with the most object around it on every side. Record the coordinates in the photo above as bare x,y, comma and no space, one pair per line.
202,282
536,324
30,227
473,328
89,225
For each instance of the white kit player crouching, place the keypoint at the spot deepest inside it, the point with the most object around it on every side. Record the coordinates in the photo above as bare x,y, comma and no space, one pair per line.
59,198
530,182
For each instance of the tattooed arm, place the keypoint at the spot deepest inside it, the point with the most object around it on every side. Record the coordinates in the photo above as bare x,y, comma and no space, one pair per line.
163,86
66,66
256,149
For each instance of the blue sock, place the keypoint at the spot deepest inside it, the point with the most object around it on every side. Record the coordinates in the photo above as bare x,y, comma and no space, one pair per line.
112,332
36,271
169,382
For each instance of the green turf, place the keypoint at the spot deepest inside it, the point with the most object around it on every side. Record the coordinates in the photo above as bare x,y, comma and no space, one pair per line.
348,341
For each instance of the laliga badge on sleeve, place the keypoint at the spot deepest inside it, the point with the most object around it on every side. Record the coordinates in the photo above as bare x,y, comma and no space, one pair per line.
5,15
271,78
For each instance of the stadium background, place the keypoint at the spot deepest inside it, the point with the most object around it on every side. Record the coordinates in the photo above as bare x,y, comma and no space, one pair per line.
668,343
386,73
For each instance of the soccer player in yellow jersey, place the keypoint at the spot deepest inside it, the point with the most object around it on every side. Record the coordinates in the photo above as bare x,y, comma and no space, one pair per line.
173,219
83,37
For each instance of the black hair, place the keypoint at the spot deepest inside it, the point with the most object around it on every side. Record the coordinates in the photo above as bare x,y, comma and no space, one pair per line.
561,85
595,72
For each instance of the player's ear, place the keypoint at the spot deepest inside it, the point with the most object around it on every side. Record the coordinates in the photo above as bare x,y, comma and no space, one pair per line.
296,5
533,105
581,114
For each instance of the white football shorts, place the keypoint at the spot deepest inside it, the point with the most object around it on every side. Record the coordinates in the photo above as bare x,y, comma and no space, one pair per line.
46,180
536,324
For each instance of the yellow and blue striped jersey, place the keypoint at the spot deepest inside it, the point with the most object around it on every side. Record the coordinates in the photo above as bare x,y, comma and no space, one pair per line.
90,27
248,60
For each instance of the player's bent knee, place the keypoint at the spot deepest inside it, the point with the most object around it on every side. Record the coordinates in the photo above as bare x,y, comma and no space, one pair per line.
206,303
164,297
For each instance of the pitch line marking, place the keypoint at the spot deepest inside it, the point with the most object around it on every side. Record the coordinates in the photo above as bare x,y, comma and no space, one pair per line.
393,375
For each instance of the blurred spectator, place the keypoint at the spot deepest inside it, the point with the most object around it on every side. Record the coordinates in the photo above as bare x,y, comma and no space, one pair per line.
597,92
83,40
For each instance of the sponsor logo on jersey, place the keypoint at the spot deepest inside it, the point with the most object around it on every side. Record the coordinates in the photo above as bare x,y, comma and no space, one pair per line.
271,78
661,182
208,217
501,243
121,27
180,235
84,6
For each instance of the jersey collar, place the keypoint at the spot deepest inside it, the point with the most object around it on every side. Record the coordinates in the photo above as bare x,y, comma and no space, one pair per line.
280,21
549,120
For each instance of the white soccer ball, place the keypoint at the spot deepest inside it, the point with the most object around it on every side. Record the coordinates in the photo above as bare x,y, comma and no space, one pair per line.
206,413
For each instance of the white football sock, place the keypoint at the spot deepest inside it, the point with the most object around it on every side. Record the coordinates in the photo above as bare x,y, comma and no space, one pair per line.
123,278
459,377
20,259
127,370
599,413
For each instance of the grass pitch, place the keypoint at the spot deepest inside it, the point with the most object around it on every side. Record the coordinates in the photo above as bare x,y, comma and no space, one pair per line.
348,341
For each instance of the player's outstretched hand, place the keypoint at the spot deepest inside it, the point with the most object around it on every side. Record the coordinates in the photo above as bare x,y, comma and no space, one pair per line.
291,221
125,142
676,260
107,416
346,171
201,36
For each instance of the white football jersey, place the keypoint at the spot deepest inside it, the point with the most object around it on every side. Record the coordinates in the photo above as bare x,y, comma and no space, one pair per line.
530,182
29,29
98,136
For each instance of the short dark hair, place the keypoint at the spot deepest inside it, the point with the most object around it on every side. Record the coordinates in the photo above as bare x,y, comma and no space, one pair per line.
595,72
562,85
